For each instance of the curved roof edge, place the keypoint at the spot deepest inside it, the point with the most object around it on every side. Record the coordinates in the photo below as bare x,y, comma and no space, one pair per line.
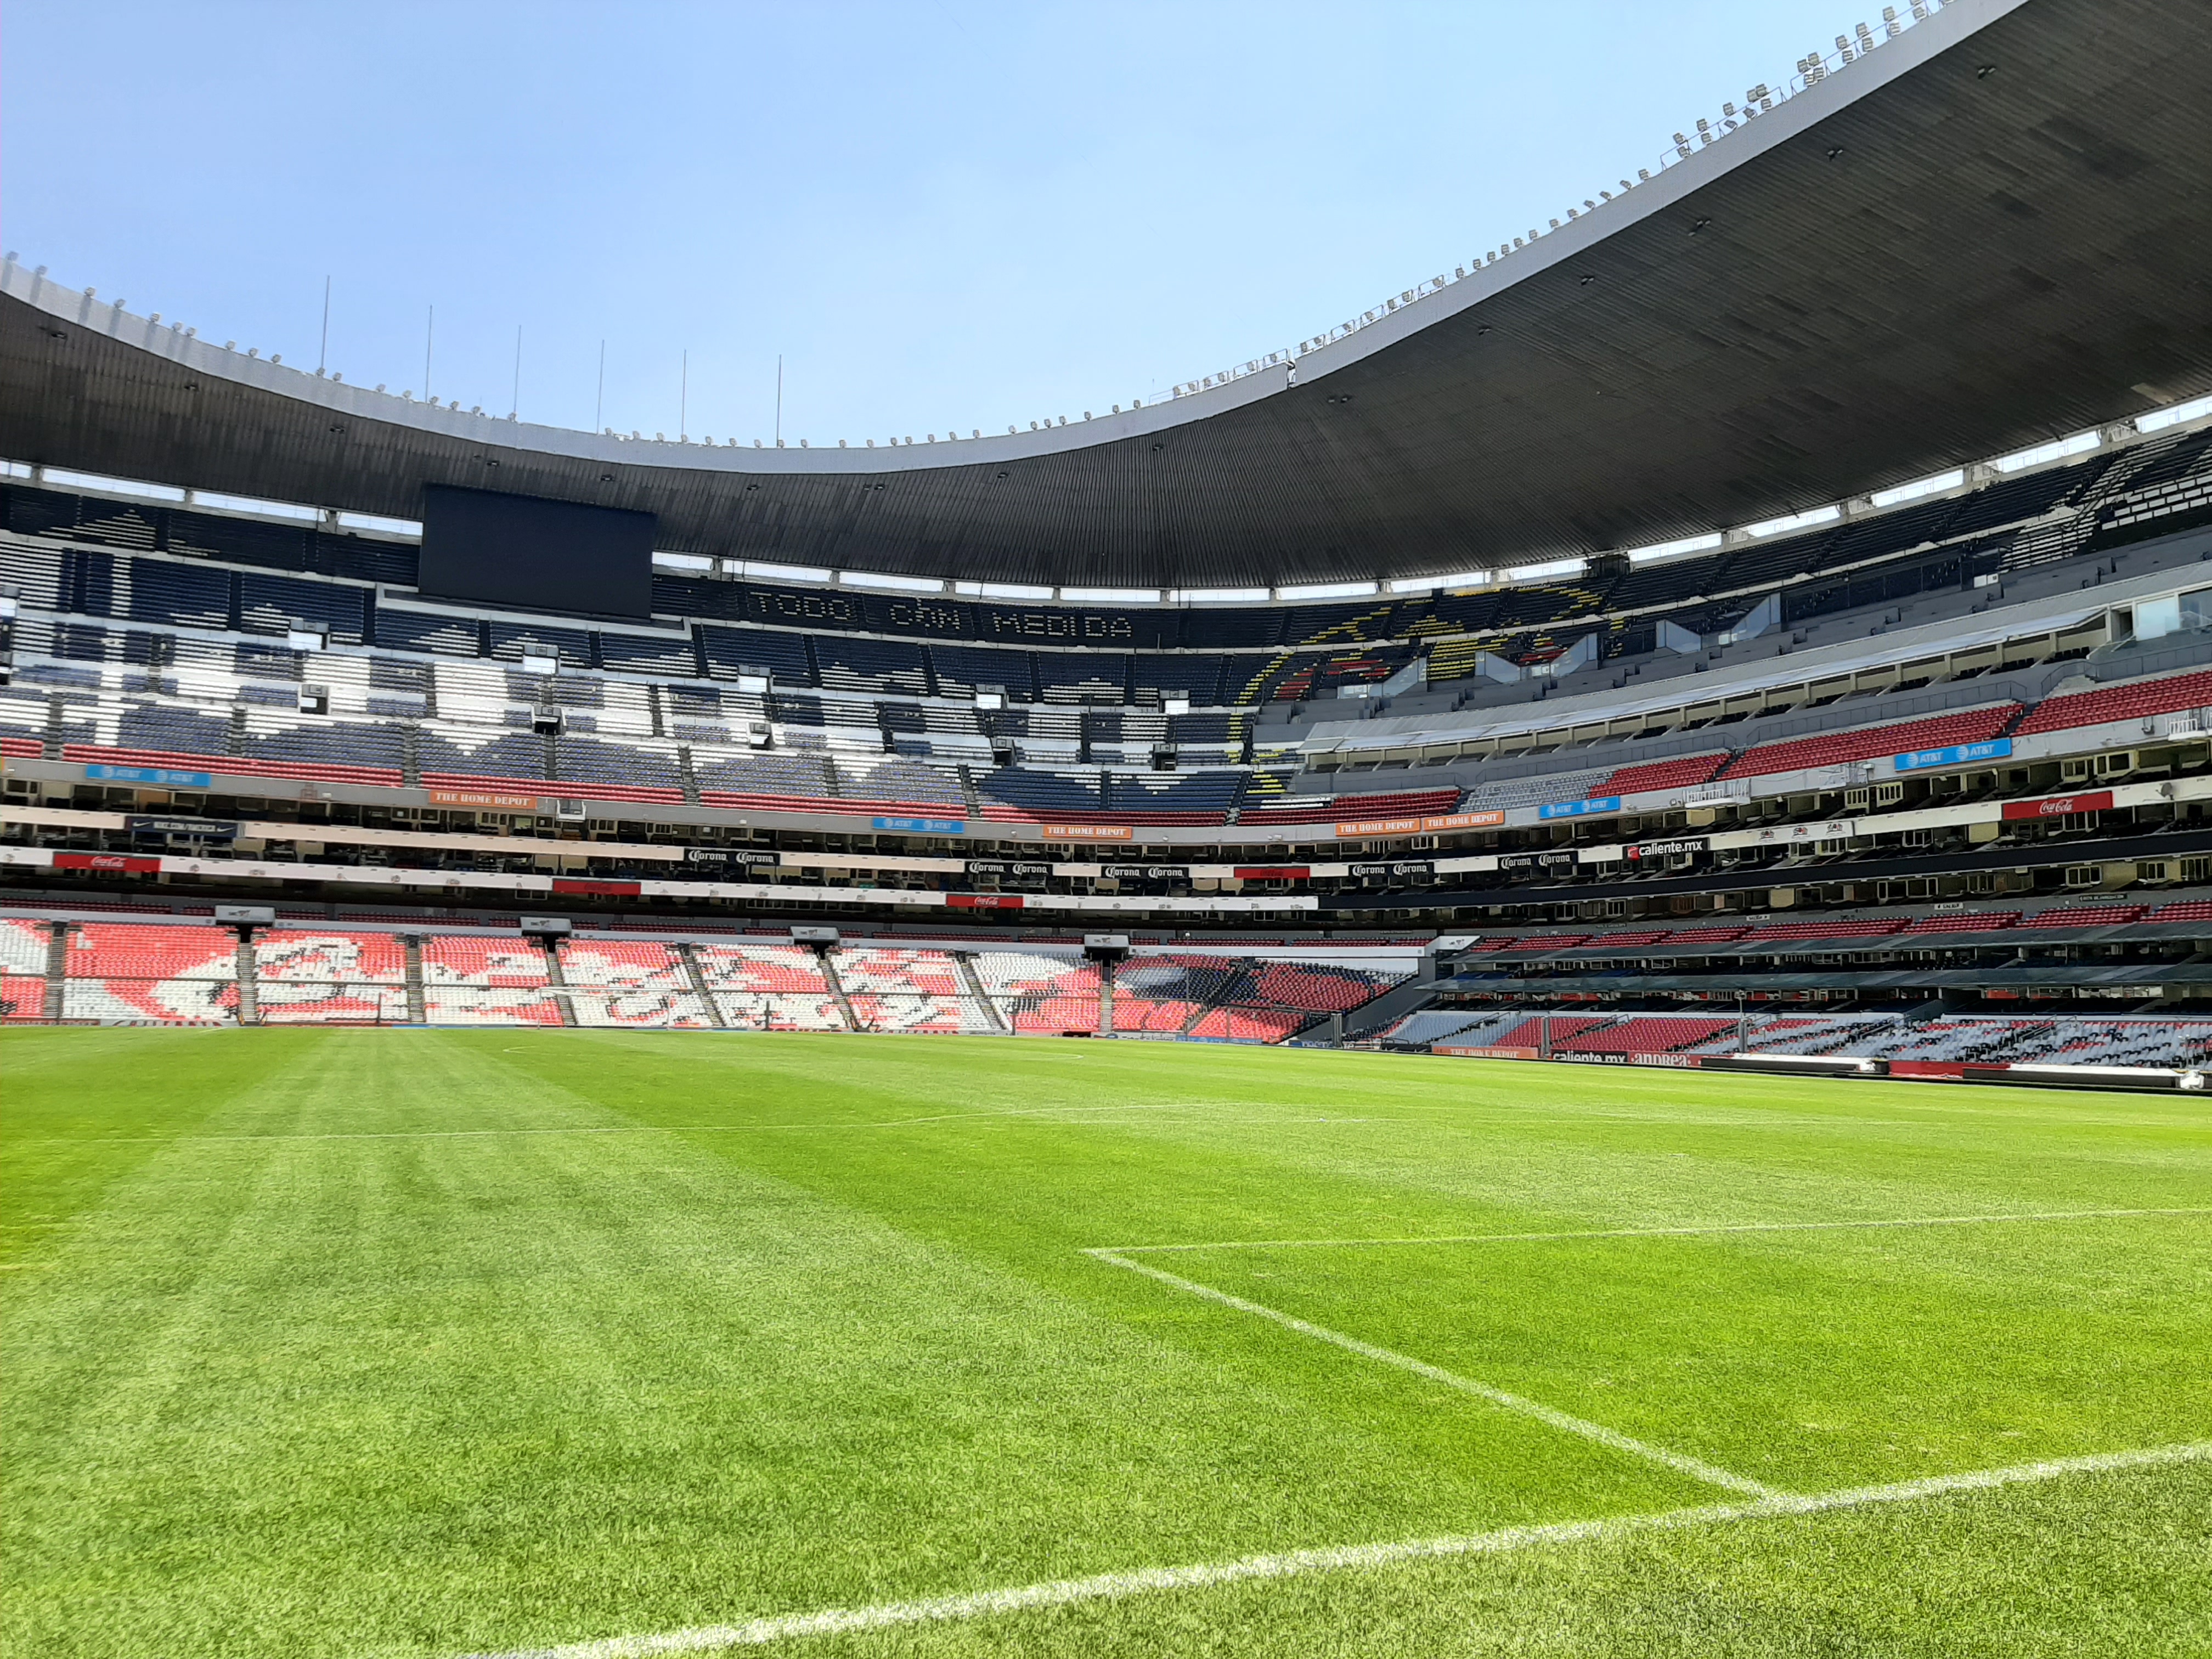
1866,74
1986,232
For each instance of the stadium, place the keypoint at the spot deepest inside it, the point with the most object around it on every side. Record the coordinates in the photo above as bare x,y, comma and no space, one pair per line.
1753,632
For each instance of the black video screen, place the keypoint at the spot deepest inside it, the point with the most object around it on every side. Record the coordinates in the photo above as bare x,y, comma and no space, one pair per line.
537,554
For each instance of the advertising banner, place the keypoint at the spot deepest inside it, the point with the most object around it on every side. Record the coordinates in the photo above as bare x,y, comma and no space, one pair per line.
113,862
1596,805
198,829
722,855
923,826
2059,806
1959,754
159,775
479,798
1421,826
1087,832
1657,849
983,900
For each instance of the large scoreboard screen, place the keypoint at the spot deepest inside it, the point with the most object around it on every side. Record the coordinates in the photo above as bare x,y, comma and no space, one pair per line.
539,555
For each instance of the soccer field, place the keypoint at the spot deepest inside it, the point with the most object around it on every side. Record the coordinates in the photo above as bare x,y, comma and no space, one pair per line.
437,1343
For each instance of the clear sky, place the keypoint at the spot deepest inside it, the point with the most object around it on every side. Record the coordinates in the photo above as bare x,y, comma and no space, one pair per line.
941,214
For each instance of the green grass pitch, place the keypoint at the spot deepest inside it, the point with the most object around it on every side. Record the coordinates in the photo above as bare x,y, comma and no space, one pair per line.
403,1344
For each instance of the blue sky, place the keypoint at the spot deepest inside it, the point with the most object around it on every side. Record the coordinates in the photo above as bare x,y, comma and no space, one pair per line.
940,214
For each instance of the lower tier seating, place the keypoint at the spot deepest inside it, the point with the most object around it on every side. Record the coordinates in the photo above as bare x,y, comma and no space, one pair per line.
476,1004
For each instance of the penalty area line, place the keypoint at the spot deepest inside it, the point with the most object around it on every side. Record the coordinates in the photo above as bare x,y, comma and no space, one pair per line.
1679,1462
1294,1564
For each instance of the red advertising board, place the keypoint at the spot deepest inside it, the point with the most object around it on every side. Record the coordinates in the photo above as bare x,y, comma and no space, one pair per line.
2059,806
118,862
984,901
598,889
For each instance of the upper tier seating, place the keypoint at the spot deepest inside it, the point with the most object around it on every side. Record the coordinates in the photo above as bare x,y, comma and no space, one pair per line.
1873,742
1146,798
2136,699
1411,803
1971,922
245,766
1015,795
1824,927
1683,774
1625,940
1538,942
2085,915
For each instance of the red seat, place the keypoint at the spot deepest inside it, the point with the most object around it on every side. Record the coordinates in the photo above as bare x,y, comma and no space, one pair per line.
2134,701
1873,742
1663,775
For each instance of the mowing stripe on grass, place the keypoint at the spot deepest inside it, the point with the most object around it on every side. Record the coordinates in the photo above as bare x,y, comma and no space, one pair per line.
592,1129
1292,1563
1652,1233
1513,1402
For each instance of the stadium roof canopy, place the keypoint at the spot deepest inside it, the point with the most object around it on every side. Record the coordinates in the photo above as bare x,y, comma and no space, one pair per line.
1986,232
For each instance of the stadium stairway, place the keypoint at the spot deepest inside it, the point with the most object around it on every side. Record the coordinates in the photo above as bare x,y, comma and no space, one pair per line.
973,985
57,968
1106,966
822,953
249,990
417,1004
559,982
695,977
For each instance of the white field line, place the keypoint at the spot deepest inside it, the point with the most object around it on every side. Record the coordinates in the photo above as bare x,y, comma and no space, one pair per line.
1654,1232
1420,1368
1294,1564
